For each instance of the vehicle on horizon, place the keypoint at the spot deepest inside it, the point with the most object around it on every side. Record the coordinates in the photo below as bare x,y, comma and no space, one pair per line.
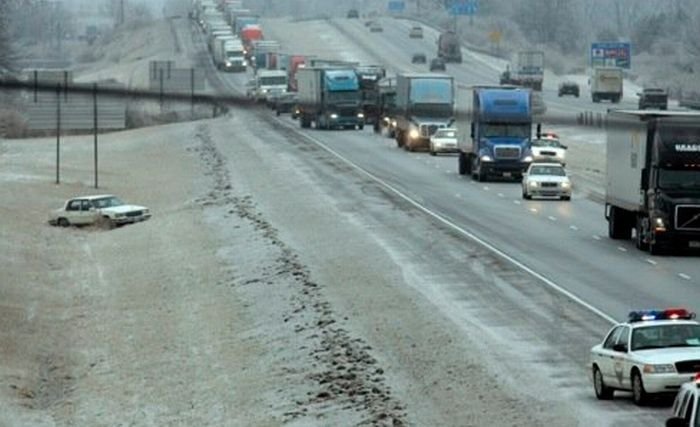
546,180
437,64
419,58
286,103
607,84
653,353
449,48
653,98
353,14
569,88
376,27
104,210
416,32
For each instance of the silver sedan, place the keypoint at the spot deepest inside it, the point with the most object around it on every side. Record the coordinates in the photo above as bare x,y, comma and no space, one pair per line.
546,180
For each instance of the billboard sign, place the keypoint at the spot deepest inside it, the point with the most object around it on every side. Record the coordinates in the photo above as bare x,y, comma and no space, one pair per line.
611,54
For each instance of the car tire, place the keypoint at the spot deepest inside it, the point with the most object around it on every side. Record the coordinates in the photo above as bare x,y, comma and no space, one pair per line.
105,223
566,198
462,163
639,395
602,392
526,196
639,238
63,222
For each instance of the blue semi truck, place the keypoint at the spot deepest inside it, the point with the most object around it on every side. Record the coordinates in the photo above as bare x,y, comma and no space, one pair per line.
500,132
330,97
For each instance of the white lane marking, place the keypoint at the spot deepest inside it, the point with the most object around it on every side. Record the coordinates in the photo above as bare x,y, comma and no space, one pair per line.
595,236
573,228
533,210
486,188
552,218
651,261
459,196
457,228
517,202
621,249
448,171
501,195
683,276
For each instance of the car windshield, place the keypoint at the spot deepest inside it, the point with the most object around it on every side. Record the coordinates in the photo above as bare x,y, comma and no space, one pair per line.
663,336
547,170
272,81
546,143
491,130
107,202
446,134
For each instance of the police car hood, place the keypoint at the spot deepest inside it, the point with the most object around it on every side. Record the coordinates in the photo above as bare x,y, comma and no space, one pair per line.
668,355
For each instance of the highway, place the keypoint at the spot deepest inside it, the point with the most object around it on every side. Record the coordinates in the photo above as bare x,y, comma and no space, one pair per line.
563,245
565,242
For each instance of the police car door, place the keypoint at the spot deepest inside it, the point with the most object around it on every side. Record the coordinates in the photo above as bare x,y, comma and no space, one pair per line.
622,366
606,356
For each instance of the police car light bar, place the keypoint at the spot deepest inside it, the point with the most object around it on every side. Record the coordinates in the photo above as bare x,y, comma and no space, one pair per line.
668,314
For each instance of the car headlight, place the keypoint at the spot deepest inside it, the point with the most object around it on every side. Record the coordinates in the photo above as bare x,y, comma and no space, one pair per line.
486,158
414,134
533,184
360,115
527,159
566,184
393,123
228,63
263,90
659,369
334,116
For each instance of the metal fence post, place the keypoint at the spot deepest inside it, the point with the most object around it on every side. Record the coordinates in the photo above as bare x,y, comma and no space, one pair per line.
58,133
95,121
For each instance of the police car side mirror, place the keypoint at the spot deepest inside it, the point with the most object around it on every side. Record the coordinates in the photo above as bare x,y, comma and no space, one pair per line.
565,147
622,348
676,422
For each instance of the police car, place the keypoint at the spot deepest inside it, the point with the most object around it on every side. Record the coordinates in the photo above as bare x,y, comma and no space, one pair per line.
548,148
654,352
686,412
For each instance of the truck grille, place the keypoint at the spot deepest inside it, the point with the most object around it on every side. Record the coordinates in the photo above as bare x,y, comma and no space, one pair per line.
348,112
688,217
688,366
506,152
427,131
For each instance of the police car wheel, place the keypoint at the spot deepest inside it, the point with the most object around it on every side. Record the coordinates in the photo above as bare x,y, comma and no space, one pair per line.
639,395
602,392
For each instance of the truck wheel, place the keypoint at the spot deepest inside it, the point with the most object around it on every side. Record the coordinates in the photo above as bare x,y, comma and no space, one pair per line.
656,249
462,164
618,224
639,238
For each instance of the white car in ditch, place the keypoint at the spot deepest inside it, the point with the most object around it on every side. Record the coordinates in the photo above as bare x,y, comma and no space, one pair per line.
546,180
106,210
654,352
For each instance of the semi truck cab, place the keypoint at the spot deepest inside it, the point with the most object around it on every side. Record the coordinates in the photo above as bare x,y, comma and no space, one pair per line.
500,134
653,179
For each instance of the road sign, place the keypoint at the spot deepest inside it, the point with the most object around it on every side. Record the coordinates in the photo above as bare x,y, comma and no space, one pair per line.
462,7
396,6
611,54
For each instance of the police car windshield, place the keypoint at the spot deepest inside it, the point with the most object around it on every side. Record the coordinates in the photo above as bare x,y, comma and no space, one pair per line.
664,336
546,143
547,170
